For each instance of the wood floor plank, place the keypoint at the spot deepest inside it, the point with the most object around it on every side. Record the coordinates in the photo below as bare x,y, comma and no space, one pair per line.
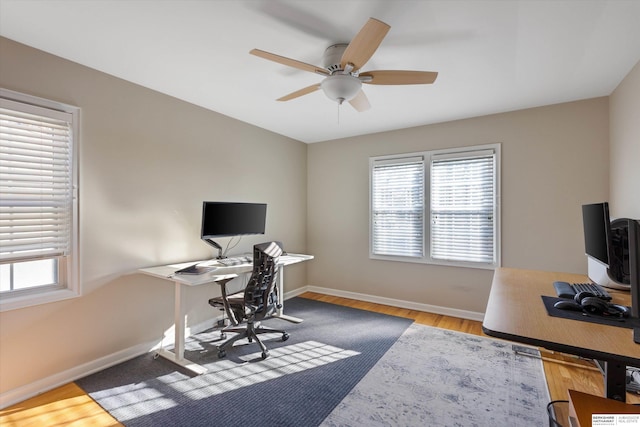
67,405
70,406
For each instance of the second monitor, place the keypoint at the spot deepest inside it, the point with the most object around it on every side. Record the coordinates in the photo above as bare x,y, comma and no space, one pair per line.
607,246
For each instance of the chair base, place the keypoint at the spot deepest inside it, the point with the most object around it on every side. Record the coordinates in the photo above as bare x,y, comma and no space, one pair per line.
250,331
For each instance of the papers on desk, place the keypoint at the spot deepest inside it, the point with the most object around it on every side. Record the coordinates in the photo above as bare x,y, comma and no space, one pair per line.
195,269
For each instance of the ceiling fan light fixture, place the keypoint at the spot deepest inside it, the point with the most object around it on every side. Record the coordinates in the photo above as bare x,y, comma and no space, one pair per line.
342,66
341,87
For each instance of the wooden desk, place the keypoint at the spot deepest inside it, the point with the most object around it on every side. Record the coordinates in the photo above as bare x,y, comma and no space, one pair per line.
220,274
582,406
515,312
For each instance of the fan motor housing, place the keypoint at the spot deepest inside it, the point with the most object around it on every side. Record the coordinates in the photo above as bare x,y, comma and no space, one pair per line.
332,57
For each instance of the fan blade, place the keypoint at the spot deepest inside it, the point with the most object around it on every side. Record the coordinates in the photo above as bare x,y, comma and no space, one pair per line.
360,102
300,92
364,44
399,77
288,61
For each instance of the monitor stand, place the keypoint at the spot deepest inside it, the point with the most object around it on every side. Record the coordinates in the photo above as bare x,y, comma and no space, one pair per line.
215,245
599,274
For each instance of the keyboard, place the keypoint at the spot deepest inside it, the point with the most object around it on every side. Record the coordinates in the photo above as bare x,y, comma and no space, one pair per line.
569,290
230,262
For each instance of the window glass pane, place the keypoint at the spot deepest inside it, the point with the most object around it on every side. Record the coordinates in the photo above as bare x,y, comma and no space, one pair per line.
34,273
462,206
398,209
36,181
5,277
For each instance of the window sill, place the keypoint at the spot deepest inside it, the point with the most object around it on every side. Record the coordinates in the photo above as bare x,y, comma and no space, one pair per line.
9,302
415,260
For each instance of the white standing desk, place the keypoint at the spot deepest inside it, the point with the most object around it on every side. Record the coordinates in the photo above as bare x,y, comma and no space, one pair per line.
219,274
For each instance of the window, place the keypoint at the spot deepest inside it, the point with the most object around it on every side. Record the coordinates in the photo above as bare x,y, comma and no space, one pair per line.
438,207
38,202
398,207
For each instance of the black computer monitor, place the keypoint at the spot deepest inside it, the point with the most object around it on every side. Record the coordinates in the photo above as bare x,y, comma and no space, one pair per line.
605,244
224,219
597,231
227,219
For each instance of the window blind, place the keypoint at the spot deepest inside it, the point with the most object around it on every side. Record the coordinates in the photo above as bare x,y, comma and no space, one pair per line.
398,207
462,207
36,187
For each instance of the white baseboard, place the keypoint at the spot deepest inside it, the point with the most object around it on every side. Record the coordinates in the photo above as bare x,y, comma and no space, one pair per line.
35,388
43,385
454,312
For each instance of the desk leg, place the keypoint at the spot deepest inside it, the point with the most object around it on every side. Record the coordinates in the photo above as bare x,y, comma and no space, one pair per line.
179,322
280,313
615,380
177,356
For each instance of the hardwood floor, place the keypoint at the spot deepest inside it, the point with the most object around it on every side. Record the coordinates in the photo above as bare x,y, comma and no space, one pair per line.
70,406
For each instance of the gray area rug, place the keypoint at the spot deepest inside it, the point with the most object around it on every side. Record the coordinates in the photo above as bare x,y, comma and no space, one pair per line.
302,381
435,377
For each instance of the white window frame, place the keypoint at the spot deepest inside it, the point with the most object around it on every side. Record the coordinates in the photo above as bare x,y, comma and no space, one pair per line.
428,157
68,283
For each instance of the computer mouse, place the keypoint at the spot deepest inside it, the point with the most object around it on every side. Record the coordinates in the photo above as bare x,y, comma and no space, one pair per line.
568,305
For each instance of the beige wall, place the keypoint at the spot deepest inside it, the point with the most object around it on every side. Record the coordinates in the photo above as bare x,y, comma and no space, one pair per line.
147,161
554,159
624,110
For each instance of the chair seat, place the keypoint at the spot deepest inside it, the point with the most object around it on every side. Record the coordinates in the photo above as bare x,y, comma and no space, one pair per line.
234,299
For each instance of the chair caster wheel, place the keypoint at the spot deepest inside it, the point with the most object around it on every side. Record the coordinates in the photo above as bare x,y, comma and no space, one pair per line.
222,354
155,356
285,336
223,336
265,354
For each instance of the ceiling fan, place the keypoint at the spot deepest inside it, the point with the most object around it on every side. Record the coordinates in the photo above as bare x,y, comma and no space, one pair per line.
341,68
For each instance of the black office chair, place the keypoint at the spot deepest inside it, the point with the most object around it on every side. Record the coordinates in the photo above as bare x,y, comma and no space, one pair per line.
258,300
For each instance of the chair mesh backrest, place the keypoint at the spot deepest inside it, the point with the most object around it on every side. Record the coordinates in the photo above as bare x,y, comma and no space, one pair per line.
260,295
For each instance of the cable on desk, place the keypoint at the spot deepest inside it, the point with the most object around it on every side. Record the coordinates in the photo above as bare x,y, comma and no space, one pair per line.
226,249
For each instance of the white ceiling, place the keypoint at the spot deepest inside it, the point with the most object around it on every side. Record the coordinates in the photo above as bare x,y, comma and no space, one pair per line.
492,56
